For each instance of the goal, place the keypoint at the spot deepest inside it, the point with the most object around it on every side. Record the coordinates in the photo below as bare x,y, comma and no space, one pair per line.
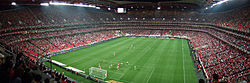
98,73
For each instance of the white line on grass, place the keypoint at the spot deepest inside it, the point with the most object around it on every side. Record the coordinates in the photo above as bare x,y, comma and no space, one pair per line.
121,80
121,75
151,74
183,62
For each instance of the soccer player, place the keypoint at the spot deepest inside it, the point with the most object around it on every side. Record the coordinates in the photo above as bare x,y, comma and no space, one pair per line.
131,46
127,62
105,75
118,66
134,67
100,66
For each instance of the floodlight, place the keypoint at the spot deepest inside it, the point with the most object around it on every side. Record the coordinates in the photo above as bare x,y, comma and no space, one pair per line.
44,4
158,8
13,3
98,7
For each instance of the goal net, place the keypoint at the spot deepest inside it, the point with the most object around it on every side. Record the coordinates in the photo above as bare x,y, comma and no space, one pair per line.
98,73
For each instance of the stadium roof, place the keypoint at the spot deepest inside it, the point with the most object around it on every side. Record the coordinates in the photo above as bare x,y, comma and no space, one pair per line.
113,3
136,4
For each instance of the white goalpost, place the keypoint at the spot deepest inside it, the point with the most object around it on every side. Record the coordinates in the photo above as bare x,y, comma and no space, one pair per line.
98,73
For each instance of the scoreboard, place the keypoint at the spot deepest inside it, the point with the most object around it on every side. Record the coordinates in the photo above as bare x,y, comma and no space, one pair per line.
121,10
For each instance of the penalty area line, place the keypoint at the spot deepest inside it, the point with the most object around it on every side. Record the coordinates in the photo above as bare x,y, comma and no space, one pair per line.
151,74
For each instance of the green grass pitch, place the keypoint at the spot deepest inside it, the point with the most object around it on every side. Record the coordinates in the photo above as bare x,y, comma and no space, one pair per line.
156,60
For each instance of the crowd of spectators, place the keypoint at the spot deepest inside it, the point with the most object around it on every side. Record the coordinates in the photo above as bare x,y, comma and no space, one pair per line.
241,42
218,57
33,16
238,19
9,38
25,70
28,48
38,47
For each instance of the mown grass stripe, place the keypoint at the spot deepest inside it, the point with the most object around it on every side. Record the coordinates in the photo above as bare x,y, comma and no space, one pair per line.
157,60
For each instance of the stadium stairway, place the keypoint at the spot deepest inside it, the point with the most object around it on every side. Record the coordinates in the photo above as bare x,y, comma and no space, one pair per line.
150,32
162,32
36,46
68,42
71,44
52,44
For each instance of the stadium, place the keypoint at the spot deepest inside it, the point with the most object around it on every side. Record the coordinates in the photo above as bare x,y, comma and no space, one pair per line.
124,41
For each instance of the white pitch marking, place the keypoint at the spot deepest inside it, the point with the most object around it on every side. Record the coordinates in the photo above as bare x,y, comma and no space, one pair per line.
183,63
151,74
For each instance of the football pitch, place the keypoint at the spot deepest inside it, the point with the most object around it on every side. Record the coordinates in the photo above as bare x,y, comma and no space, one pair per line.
156,60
